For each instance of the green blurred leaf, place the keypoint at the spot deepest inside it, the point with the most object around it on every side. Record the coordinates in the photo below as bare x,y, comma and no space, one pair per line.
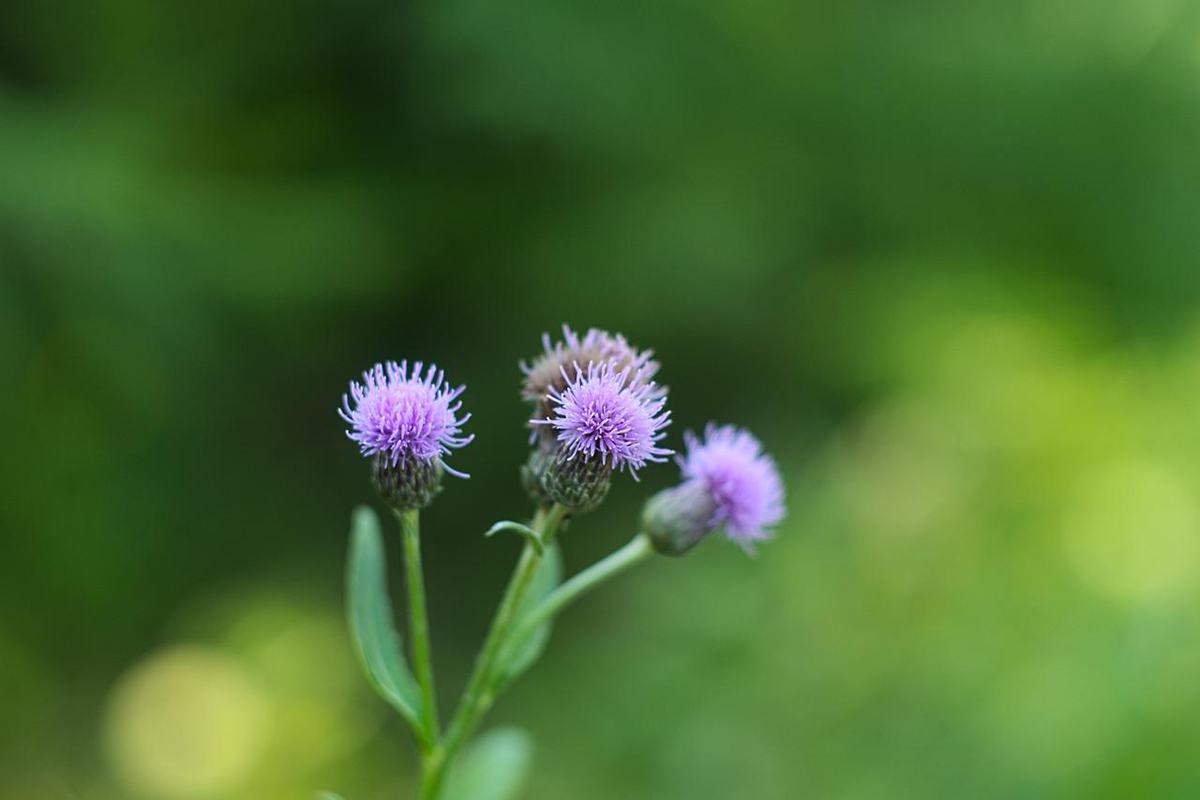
493,768
520,655
372,627
525,531
328,796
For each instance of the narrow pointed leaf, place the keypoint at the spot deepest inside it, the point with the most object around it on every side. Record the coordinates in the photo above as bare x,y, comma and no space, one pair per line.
519,656
372,627
522,530
495,767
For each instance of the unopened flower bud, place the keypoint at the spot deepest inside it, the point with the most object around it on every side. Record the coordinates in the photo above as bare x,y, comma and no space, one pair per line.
534,470
578,483
676,519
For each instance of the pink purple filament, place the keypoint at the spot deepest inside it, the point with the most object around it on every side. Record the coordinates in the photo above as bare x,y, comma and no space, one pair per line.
405,414
611,415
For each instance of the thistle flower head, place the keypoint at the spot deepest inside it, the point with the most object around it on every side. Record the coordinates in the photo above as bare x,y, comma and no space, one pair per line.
550,371
405,418
741,482
609,414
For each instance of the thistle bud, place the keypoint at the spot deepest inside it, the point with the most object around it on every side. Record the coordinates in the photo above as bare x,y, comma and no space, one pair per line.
577,483
407,486
676,519
534,470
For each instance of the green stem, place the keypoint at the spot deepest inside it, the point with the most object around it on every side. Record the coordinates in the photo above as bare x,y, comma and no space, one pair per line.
476,699
431,774
637,550
418,624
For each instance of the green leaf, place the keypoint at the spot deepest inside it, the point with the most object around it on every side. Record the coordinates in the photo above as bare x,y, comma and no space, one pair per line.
372,628
493,768
520,655
328,796
523,530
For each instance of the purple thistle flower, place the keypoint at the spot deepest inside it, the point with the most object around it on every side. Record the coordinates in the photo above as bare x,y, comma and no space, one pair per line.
740,480
551,370
615,414
401,415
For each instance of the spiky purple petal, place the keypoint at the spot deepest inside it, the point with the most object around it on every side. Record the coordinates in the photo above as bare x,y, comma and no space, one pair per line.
740,479
550,370
405,415
610,414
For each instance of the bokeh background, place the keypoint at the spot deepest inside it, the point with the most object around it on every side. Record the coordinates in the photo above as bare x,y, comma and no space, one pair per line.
941,257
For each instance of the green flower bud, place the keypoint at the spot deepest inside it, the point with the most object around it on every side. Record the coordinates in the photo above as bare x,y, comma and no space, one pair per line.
534,470
579,483
408,486
677,519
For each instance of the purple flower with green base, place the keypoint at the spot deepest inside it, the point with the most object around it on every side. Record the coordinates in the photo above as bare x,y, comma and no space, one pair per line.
597,411
611,416
605,419
405,417
728,483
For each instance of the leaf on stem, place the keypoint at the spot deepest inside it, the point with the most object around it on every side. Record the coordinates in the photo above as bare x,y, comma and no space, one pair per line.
372,626
520,655
524,530
493,768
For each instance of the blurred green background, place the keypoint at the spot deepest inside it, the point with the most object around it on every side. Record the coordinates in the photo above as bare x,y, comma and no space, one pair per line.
941,257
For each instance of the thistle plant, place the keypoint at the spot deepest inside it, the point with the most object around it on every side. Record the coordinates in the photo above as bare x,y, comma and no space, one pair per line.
597,412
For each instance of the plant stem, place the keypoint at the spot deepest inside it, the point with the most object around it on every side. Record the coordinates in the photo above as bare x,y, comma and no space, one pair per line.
476,699
418,624
431,774
636,551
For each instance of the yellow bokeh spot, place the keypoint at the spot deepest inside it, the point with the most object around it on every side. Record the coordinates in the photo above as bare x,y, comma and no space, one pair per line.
188,722
1131,532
